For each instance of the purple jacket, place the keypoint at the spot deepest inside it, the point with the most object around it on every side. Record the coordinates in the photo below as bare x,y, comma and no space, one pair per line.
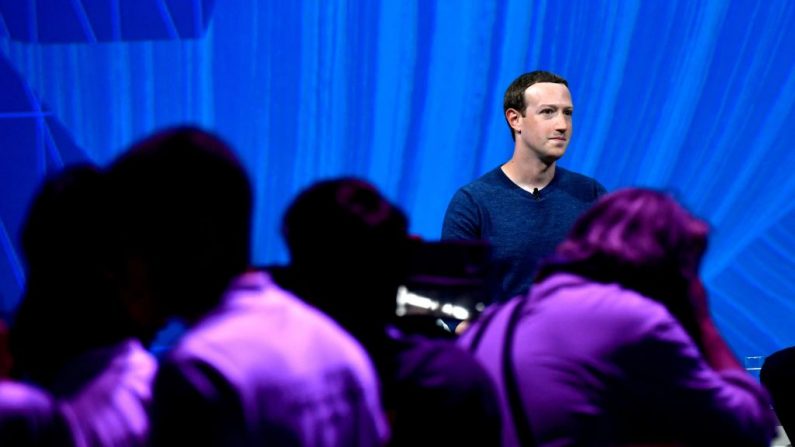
29,417
595,364
265,368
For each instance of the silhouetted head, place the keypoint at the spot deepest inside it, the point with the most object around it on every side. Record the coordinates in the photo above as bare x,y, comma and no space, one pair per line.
71,301
641,239
63,230
184,210
348,245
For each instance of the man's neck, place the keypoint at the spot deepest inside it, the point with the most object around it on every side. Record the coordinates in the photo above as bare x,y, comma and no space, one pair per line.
529,174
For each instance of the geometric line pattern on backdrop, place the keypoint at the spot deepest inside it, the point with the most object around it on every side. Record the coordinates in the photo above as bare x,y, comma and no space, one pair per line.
73,21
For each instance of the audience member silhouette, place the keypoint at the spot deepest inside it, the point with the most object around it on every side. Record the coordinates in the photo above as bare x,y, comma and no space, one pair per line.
5,352
72,335
778,376
257,366
348,247
614,343
28,415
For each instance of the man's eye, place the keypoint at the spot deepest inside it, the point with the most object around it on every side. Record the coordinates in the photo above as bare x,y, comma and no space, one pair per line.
547,111
568,112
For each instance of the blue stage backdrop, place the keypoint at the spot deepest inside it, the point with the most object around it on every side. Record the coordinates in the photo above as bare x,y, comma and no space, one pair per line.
693,97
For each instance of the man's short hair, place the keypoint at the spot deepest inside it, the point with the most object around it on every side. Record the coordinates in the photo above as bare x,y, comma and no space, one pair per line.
514,95
185,209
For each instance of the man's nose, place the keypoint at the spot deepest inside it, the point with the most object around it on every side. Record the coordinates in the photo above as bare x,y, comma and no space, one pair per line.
562,124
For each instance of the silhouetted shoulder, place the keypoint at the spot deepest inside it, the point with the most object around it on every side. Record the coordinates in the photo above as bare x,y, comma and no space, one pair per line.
443,392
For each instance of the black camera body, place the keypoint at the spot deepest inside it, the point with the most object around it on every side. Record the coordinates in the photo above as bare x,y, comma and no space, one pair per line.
450,280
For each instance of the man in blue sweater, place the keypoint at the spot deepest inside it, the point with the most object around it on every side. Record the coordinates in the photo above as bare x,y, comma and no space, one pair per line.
525,207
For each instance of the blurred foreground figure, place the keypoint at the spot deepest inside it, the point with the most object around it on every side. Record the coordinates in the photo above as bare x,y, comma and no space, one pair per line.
72,334
257,365
28,415
614,344
778,376
348,254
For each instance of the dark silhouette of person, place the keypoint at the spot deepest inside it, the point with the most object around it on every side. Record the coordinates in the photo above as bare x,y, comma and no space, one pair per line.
614,344
72,334
28,414
257,366
778,376
348,254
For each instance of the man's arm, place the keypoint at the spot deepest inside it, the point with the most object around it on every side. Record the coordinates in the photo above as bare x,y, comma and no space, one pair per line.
716,351
702,399
462,219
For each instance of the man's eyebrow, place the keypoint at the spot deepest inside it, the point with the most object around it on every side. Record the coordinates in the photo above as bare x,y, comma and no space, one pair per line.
569,106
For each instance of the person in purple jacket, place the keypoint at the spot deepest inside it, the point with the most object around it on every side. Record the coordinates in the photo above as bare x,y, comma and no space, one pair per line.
72,334
257,366
349,253
614,344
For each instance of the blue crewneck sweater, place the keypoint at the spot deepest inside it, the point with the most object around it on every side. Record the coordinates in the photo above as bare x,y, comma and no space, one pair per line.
521,227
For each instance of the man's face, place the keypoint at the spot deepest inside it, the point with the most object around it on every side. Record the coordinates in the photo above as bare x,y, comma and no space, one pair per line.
545,128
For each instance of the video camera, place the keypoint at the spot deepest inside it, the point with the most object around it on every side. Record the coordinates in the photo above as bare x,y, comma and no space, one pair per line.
447,282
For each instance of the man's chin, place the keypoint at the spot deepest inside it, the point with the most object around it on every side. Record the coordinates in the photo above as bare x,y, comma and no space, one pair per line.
551,158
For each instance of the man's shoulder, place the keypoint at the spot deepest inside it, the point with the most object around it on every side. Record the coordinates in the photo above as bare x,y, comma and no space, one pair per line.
259,322
125,364
29,416
461,220
570,176
426,356
443,369
610,308
486,184
21,400
493,177
441,386
577,182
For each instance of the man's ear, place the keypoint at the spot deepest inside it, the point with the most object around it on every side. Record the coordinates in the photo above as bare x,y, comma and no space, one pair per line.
512,116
